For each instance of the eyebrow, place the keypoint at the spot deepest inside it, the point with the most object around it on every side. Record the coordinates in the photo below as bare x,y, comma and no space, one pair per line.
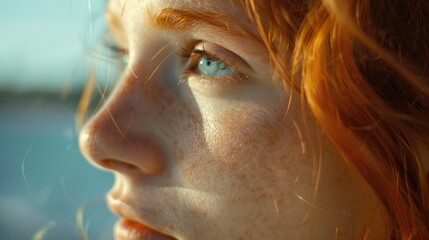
179,20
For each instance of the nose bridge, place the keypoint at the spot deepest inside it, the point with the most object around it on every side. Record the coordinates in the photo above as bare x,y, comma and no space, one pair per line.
121,136
150,74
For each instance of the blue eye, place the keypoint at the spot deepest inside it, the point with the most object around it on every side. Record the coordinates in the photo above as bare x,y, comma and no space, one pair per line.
213,67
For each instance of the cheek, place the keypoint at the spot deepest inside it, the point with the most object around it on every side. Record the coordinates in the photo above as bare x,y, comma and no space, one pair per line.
247,150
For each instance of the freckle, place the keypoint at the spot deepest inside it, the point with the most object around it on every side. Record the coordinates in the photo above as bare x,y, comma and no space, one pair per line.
262,163
161,110
169,100
160,90
188,170
253,190
242,177
193,119
248,139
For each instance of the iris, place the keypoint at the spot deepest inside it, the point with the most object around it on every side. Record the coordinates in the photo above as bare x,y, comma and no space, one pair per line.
209,66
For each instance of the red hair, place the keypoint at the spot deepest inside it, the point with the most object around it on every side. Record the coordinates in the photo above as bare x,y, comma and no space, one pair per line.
363,71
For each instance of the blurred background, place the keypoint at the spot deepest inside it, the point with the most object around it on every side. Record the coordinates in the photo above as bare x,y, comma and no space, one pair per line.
46,56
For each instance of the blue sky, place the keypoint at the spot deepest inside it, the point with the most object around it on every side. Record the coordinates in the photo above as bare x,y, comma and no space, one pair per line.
43,42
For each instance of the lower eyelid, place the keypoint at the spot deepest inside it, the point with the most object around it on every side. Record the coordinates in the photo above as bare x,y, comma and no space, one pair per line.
229,80
216,88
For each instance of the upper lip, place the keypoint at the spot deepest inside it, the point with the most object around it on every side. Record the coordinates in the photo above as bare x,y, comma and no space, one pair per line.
127,211
124,209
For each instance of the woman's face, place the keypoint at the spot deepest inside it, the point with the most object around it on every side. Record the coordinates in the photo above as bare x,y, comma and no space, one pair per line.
203,142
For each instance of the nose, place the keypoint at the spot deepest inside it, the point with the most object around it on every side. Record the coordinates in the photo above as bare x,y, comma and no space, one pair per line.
118,138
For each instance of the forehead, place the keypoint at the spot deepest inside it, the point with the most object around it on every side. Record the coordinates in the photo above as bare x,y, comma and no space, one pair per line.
138,9
216,5
223,22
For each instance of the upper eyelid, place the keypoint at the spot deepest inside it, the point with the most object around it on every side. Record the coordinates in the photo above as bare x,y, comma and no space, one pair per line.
189,49
208,54
226,55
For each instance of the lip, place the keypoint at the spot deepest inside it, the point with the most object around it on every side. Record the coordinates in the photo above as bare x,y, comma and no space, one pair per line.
126,229
132,226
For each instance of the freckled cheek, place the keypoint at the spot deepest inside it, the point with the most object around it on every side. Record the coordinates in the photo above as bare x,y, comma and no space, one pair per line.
242,149
239,135
242,132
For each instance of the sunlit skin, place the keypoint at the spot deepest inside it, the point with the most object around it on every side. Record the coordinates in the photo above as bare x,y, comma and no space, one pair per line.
218,157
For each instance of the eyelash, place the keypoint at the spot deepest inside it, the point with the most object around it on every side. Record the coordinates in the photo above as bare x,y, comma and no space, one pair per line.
189,53
109,44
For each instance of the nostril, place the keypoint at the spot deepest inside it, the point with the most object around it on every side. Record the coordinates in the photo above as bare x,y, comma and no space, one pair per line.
104,146
117,165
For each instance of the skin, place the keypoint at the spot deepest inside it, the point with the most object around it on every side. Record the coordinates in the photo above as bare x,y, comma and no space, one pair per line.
219,158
